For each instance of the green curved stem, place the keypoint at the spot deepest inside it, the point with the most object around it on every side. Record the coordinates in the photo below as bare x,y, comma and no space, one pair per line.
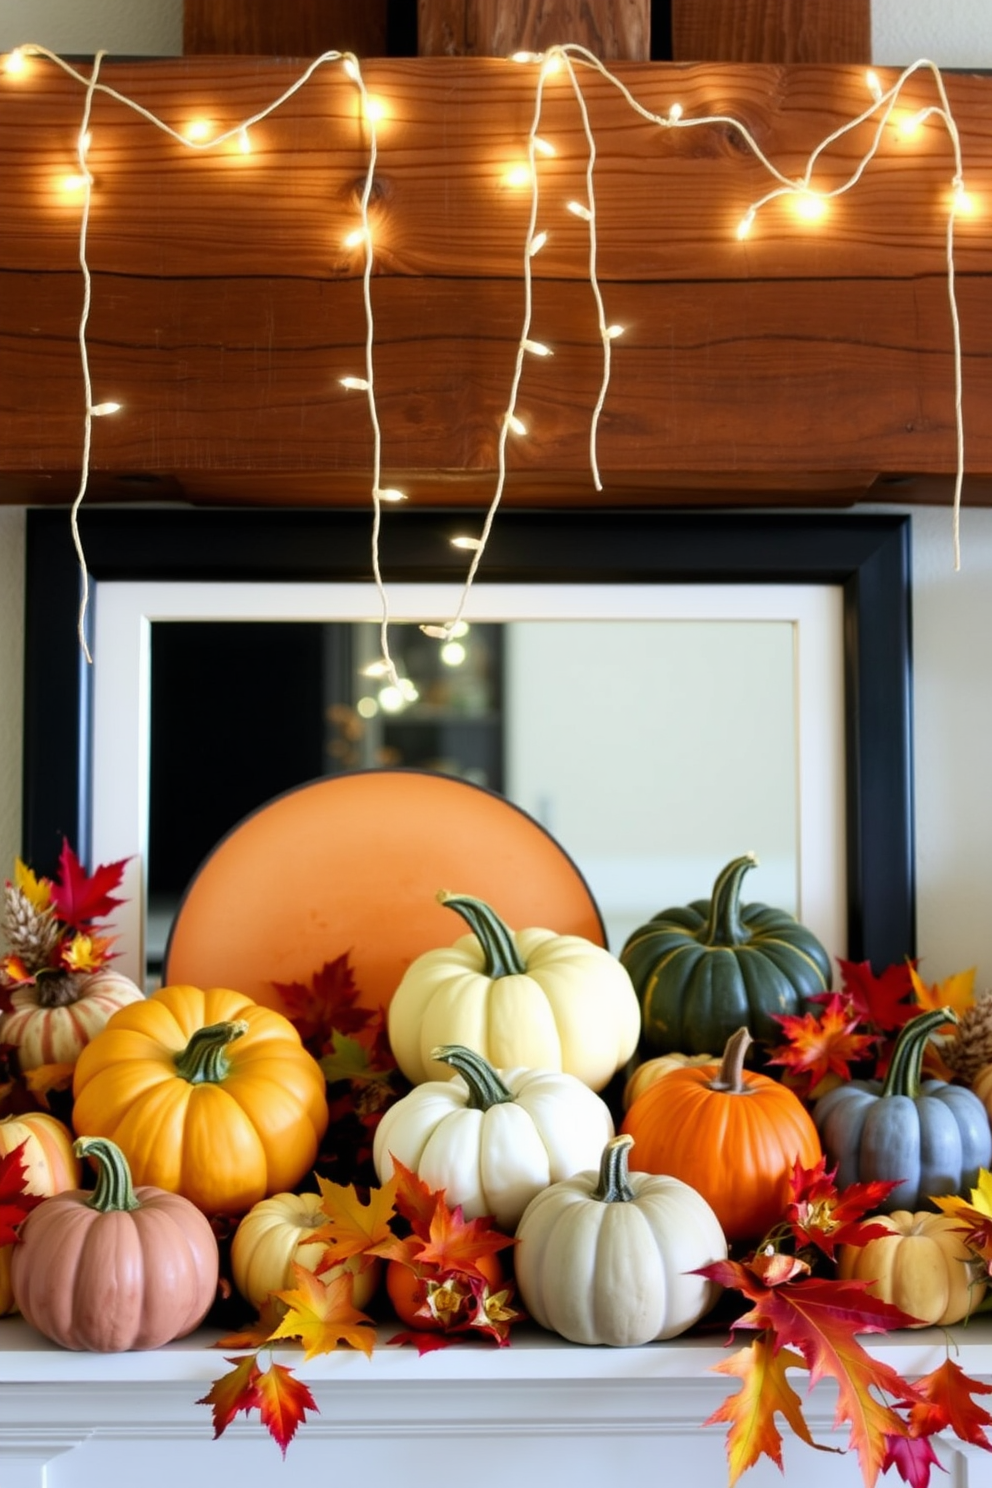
903,1075
113,1189
614,1179
496,939
485,1088
724,926
204,1058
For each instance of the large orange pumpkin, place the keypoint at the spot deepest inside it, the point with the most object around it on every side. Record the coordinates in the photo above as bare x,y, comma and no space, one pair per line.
208,1095
732,1134
50,1166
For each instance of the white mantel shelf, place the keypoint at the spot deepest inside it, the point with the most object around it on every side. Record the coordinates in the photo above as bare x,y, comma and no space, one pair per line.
540,1410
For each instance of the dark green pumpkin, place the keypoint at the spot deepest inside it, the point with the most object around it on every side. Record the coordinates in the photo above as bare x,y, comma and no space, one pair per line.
930,1136
714,966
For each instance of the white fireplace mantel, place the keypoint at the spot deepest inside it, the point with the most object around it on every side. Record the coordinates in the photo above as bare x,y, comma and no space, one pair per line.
538,1411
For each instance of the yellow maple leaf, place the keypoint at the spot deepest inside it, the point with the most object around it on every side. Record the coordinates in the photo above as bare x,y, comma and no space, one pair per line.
45,1078
86,952
321,1315
36,890
751,1412
956,992
352,1227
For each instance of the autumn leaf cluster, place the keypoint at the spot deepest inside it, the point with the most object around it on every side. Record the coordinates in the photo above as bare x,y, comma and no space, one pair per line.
50,924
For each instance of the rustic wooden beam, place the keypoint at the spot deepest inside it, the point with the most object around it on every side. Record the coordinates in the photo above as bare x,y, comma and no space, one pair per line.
771,31
290,28
226,307
490,28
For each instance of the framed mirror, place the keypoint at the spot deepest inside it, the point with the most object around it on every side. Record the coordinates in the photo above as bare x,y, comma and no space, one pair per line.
837,585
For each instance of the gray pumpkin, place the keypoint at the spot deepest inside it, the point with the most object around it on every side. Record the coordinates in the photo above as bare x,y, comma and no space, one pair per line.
930,1136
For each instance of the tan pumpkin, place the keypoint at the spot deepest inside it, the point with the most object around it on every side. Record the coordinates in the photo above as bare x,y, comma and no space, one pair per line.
52,1021
922,1266
50,1166
646,1074
274,1236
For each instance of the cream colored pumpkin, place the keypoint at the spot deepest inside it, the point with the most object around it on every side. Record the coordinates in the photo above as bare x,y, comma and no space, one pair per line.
651,1070
493,1139
274,1235
922,1267
56,1032
526,999
50,1167
608,1257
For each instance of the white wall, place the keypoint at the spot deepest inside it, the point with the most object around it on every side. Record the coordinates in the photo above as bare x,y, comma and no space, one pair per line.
952,611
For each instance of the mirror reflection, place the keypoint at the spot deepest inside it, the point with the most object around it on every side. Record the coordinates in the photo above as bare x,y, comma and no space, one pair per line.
652,750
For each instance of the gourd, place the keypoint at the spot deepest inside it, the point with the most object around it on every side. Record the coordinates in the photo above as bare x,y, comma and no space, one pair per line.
208,1094
50,1165
273,1237
731,1133
930,1137
651,1070
606,1257
922,1266
492,1140
713,966
52,1021
529,998
118,1268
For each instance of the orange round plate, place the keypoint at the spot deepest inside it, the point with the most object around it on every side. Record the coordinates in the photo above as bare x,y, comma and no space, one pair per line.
352,864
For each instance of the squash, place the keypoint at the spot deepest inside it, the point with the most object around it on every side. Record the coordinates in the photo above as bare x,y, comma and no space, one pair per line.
704,970
53,1020
118,1268
50,1165
274,1235
645,1074
208,1094
608,1256
929,1136
734,1135
492,1140
530,999
922,1266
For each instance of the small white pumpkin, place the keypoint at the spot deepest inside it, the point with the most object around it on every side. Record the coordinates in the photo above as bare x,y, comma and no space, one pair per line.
526,998
52,1020
607,1257
492,1139
274,1236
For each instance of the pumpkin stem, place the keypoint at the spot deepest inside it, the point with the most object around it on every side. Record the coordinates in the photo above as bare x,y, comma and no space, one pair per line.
903,1076
204,1058
58,988
614,1180
732,1065
724,926
485,1088
114,1189
496,939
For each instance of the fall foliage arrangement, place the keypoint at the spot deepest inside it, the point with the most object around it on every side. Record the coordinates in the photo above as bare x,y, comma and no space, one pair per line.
529,1119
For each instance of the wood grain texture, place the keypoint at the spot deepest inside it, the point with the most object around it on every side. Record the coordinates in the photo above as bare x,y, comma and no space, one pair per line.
771,31
611,29
284,28
225,308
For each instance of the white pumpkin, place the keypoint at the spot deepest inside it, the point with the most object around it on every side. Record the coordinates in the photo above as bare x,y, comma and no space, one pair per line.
53,1021
273,1237
492,1139
607,1257
530,998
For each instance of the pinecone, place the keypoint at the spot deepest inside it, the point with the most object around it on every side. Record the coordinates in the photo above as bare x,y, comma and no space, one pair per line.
32,933
970,1048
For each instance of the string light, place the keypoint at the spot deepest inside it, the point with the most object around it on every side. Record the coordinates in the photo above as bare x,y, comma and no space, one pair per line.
536,243
471,544
16,63
518,175
244,141
199,131
356,384
809,205
536,348
579,209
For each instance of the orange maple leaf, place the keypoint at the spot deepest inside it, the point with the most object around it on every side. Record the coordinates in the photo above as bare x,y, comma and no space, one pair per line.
947,1402
322,1315
353,1228
283,1401
233,1392
821,1045
975,1225
751,1412
456,1244
956,992
254,1335
414,1200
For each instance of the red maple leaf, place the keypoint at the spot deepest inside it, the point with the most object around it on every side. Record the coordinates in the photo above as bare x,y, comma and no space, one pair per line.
15,1204
325,1006
233,1392
820,1214
414,1200
882,1002
80,898
821,1045
912,1457
947,1402
283,1403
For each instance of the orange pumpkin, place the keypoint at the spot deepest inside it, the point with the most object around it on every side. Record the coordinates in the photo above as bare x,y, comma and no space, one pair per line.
50,1166
733,1135
208,1095
411,1289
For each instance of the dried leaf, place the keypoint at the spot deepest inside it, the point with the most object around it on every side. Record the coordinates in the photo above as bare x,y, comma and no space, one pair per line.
79,897
974,1223
751,1412
15,1203
326,1005
46,1078
353,1228
956,992
82,952
37,891
822,1215
283,1401
415,1202
456,1244
233,1392
947,1403
322,1315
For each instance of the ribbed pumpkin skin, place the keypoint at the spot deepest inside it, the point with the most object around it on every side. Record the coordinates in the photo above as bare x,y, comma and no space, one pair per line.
58,1035
223,1145
115,1281
922,1267
737,1150
273,1237
51,1166
703,970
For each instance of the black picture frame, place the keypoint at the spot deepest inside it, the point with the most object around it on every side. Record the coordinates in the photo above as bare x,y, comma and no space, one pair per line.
867,554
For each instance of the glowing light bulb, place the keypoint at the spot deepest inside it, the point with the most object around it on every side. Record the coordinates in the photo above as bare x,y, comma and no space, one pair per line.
613,331
537,242
537,348
390,493
551,64
351,68
74,183
745,225
873,85
198,131
375,110
453,653
471,544
544,147
358,237
908,126
436,632
810,206
366,707
518,175
376,669
579,209
100,410
356,384
244,142
16,63
526,57
962,202
675,113
83,144
391,700
517,425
